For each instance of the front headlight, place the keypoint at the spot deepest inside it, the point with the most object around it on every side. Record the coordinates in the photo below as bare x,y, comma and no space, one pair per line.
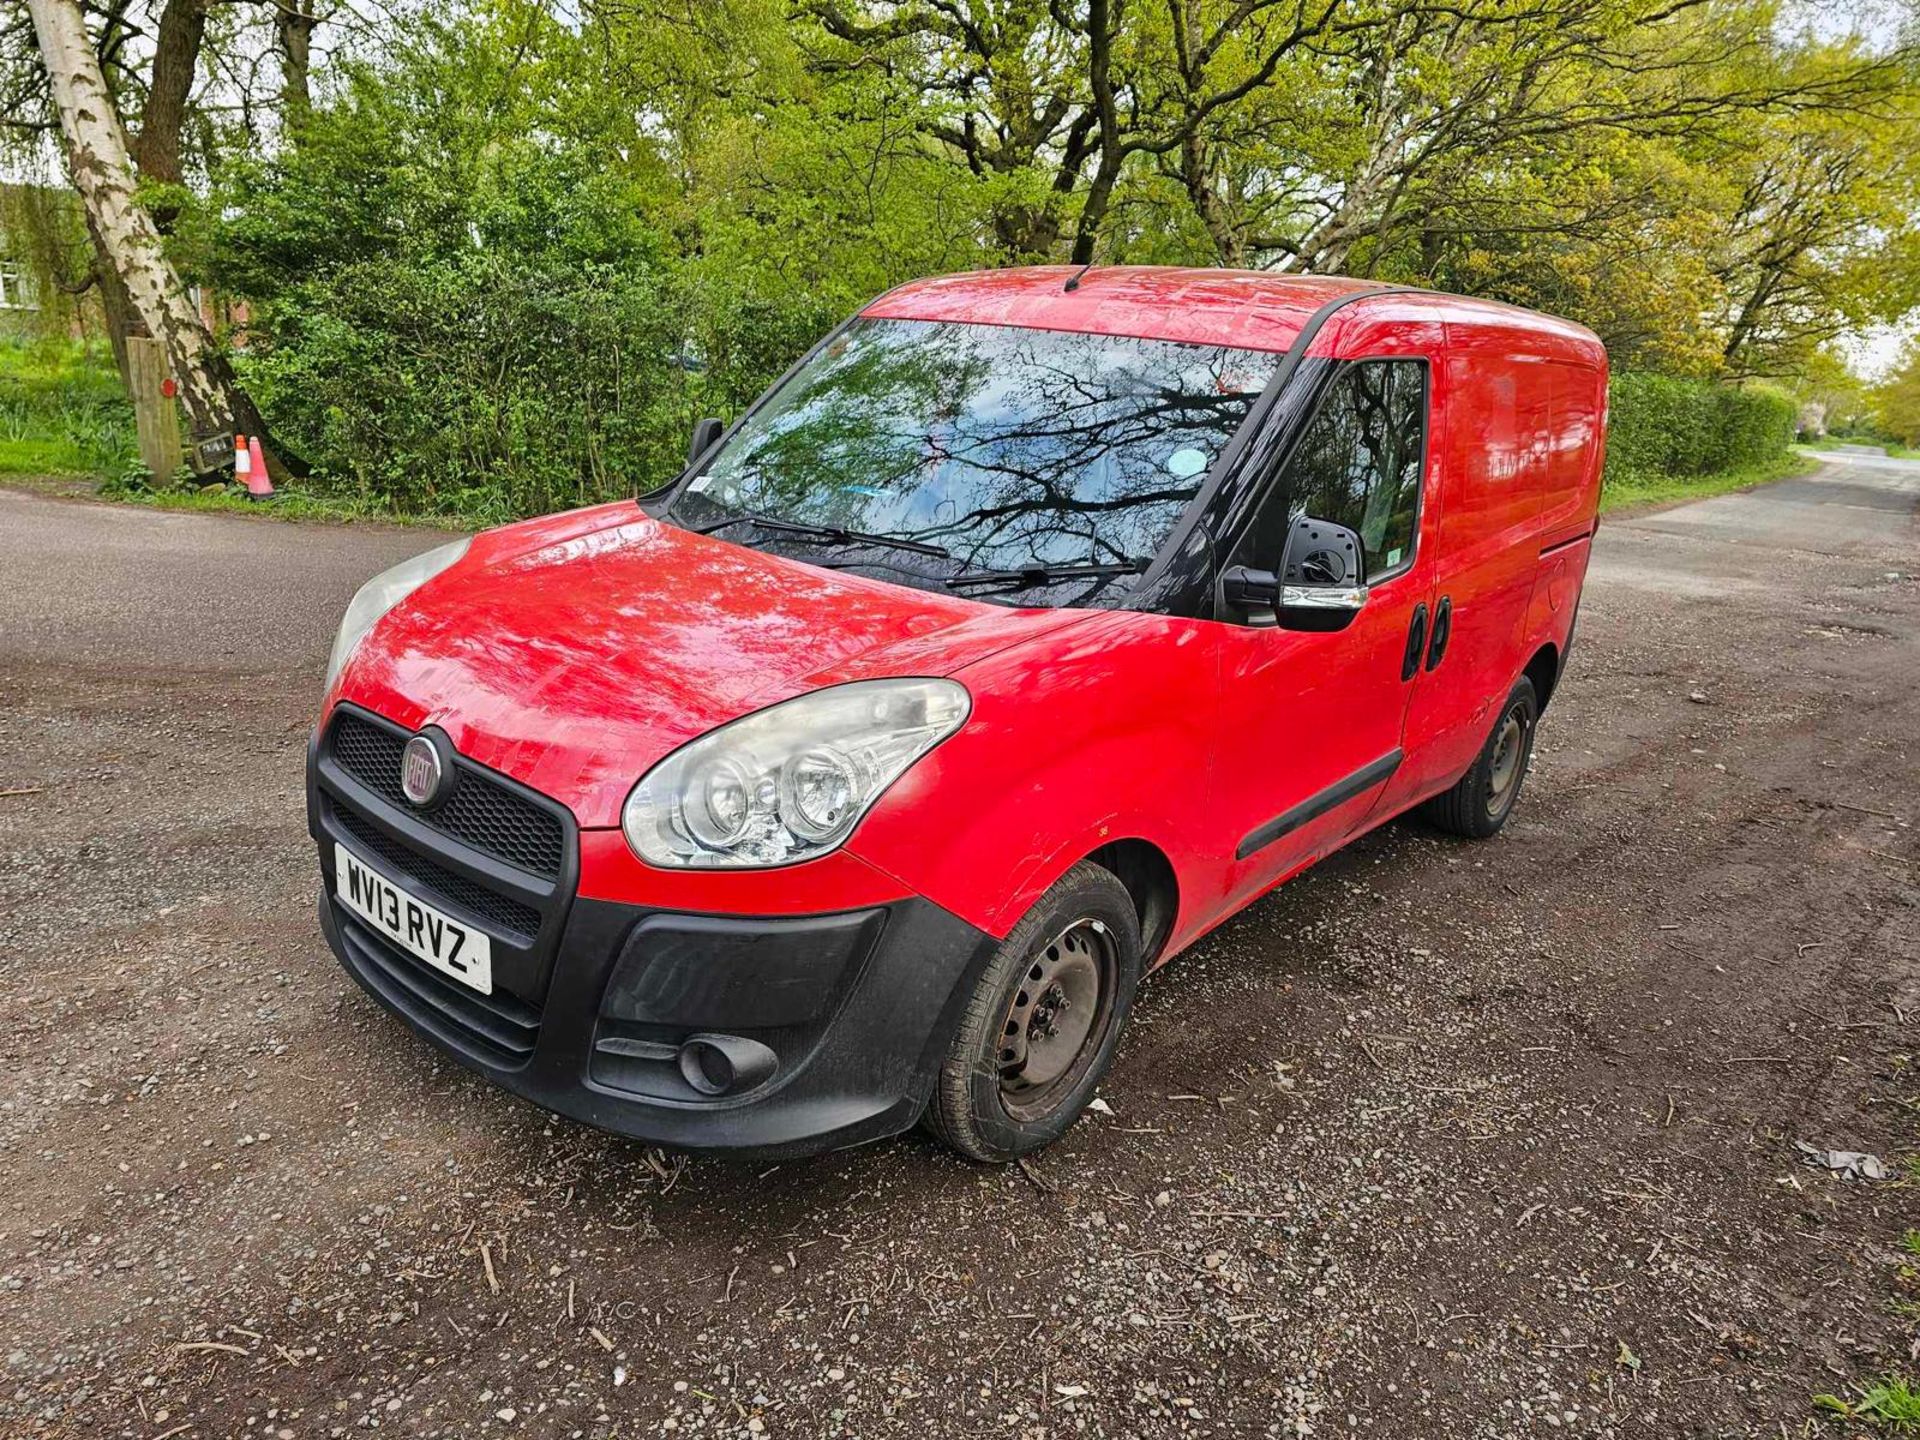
380,594
789,782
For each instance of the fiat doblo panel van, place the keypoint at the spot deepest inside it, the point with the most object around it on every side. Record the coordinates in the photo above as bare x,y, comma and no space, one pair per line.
1034,623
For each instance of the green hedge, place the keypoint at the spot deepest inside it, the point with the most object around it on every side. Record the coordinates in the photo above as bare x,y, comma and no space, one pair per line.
1660,427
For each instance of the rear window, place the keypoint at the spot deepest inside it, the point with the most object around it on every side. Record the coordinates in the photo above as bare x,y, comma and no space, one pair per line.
1006,447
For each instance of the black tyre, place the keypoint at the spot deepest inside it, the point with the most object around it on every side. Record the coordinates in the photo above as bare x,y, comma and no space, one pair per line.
1479,804
1040,1029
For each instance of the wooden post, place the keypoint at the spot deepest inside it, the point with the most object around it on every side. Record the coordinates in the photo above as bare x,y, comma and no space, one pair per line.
154,413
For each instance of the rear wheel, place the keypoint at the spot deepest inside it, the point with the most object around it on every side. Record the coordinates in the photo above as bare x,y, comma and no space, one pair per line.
1040,1029
1479,804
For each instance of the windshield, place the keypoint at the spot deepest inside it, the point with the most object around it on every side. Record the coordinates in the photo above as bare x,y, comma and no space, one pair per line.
1006,448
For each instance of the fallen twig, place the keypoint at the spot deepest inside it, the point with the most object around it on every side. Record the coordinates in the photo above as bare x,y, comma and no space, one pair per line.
1040,1182
1863,809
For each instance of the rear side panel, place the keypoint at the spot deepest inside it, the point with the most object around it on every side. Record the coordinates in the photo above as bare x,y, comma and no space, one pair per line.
1571,502
1492,474
1571,491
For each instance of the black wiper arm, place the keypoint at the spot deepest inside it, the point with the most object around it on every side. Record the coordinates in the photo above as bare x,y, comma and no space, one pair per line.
1032,575
837,533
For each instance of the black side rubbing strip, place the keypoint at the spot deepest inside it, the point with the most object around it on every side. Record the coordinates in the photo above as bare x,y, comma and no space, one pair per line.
1560,545
1314,806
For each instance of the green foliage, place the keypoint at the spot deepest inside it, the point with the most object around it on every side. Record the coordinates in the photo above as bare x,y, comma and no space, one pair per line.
1896,403
62,412
476,288
508,260
1891,1401
42,232
1662,427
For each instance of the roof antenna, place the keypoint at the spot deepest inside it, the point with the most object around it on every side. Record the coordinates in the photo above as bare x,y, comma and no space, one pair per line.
1073,280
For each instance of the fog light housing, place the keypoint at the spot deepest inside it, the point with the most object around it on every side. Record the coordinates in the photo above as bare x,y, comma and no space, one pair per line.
723,1064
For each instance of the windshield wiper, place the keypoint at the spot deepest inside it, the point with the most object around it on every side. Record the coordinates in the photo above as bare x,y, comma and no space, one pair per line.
839,534
1028,576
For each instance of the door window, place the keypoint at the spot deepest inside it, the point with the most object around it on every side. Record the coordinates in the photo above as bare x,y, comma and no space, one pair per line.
1358,462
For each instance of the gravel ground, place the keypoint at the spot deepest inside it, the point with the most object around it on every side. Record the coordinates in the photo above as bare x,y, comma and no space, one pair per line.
1440,1140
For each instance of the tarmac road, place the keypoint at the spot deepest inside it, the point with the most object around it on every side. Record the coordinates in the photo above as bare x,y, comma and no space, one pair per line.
1441,1140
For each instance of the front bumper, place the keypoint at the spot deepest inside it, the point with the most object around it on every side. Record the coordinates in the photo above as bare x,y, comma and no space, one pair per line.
593,1000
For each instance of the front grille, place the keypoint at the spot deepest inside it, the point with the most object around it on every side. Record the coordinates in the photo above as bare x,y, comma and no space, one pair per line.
498,854
480,812
497,910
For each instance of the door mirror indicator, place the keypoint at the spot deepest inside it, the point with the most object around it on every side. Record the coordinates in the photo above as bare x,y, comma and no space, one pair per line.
705,433
1295,607
1321,584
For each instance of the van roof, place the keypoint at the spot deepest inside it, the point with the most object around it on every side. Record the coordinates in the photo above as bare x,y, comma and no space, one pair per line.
1252,309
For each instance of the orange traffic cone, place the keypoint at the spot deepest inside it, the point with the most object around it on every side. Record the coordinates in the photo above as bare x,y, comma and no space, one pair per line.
242,461
259,483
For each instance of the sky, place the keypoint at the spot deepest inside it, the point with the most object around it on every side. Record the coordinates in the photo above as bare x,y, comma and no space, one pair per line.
1873,352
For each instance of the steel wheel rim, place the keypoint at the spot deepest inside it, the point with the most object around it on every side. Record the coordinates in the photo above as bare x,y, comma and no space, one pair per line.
1509,745
1055,1019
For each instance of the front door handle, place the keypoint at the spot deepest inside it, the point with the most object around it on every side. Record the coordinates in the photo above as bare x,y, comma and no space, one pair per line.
1442,632
1416,643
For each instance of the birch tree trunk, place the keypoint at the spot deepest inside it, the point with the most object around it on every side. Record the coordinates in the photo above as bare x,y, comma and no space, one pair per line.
102,171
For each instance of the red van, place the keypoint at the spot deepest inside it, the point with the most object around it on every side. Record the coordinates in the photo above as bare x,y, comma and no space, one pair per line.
1035,622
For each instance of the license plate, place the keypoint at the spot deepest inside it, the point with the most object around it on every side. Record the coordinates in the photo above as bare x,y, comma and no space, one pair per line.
443,942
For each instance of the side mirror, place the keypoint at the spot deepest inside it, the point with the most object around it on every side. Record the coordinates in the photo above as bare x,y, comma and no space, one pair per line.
705,433
1321,584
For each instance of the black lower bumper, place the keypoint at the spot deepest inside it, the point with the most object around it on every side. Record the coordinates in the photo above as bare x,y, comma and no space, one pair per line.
842,1018
856,1030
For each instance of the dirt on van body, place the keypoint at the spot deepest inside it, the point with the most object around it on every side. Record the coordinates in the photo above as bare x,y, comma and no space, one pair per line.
1442,1139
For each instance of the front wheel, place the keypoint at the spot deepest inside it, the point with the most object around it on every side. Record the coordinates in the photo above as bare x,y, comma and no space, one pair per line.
1041,1026
1479,804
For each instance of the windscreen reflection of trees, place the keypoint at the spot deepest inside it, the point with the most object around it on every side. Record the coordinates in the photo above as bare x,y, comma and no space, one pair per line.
1005,446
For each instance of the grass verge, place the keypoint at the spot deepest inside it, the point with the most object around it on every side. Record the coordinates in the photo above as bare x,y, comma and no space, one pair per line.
1634,490
1893,1402
62,412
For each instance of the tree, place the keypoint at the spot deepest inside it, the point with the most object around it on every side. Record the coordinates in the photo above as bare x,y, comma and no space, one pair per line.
1897,400
183,79
1821,237
101,167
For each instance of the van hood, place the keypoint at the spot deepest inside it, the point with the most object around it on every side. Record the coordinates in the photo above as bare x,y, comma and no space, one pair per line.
574,652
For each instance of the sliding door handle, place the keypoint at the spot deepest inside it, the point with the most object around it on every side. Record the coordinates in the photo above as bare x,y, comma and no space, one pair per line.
1416,643
1442,632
